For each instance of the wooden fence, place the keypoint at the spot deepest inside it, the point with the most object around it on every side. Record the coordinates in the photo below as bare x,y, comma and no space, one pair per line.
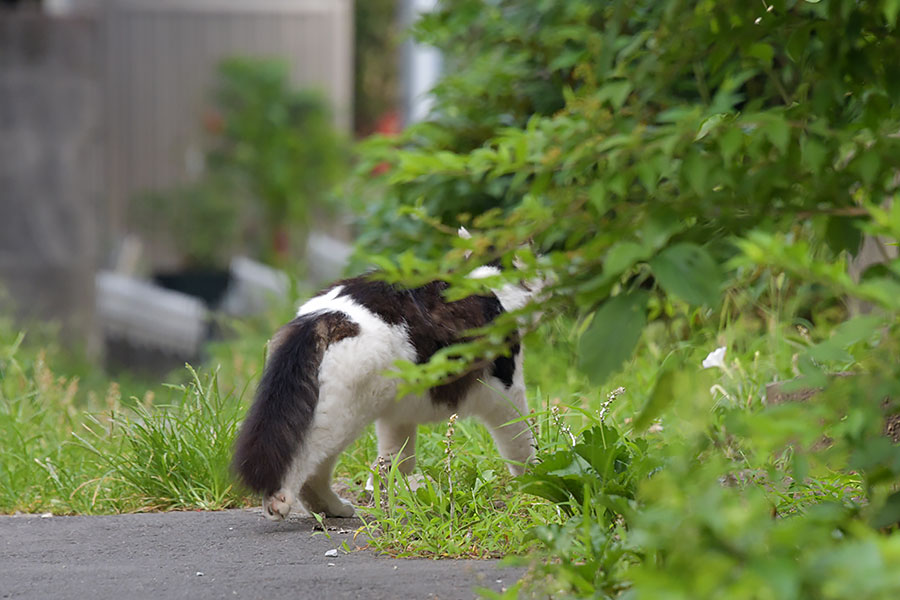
161,58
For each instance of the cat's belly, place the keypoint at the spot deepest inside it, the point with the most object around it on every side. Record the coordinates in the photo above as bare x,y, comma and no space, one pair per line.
415,409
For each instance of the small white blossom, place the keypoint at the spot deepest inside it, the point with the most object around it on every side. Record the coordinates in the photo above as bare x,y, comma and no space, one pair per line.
716,358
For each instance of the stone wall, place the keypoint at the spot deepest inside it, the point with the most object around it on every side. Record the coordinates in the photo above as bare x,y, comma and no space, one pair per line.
50,168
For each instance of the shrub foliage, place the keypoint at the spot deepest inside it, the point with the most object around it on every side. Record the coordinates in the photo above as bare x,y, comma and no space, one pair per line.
666,165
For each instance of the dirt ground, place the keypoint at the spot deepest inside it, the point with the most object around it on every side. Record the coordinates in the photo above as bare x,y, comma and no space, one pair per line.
229,554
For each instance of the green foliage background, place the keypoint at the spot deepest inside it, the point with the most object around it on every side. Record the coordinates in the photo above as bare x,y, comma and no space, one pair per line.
681,172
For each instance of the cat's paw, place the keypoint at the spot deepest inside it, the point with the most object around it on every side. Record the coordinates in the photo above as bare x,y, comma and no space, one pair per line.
277,506
343,509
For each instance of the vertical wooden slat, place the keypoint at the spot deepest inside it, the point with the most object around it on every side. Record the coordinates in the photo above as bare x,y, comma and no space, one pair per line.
162,57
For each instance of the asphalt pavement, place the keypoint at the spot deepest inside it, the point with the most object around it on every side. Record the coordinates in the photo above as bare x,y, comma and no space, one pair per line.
228,554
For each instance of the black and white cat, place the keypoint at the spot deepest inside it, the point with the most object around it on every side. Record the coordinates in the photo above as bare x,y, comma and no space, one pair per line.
325,381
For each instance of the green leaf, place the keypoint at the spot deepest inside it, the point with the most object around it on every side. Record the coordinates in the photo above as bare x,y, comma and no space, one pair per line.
730,142
597,195
856,329
612,335
695,171
778,131
867,165
661,226
662,396
616,92
842,233
889,513
797,43
800,466
891,8
688,271
764,52
845,335
599,449
709,124
622,256
813,154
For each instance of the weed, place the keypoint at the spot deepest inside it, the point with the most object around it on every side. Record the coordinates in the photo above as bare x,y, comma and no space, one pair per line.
172,456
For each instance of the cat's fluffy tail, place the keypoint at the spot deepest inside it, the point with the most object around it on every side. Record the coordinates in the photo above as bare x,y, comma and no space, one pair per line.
283,408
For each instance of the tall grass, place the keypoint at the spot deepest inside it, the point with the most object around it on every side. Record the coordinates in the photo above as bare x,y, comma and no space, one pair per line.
461,503
174,455
37,417
67,450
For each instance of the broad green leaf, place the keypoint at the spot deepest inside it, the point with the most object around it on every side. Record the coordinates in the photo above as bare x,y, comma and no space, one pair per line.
891,8
867,165
764,52
663,393
856,329
622,256
889,513
709,124
599,449
827,351
597,195
612,335
659,228
688,271
696,172
778,132
648,172
616,92
797,43
730,142
813,154
845,335
800,466
842,233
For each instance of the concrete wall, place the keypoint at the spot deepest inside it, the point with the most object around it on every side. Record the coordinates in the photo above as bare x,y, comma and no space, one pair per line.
50,167
103,100
161,62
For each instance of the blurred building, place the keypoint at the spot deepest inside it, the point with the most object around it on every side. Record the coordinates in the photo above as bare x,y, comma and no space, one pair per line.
102,99
422,66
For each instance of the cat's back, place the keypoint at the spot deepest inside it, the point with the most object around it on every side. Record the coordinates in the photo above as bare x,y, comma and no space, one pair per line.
377,310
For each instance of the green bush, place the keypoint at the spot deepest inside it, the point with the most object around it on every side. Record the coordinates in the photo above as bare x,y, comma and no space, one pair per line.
279,146
273,154
202,220
376,80
686,175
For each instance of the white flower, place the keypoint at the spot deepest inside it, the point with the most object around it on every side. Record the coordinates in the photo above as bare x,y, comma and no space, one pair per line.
716,358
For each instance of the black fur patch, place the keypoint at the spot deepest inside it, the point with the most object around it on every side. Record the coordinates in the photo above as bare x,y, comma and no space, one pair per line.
286,398
504,367
433,324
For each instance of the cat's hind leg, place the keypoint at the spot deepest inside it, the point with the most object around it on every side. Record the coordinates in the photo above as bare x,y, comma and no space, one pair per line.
310,475
514,440
397,441
338,421
318,497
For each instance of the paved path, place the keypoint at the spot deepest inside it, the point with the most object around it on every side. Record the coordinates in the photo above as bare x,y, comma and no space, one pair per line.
230,554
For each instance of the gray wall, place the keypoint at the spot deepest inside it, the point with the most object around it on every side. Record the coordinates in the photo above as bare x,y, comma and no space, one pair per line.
161,66
50,184
106,102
